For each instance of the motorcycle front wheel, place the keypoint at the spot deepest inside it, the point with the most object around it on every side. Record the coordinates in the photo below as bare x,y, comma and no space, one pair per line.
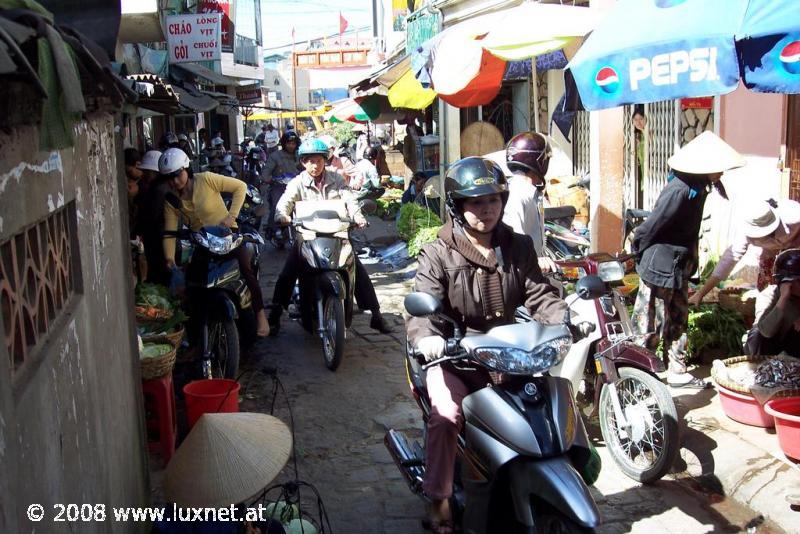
333,338
556,523
646,448
223,340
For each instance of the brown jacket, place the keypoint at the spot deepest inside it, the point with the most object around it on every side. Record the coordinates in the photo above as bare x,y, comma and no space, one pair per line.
476,291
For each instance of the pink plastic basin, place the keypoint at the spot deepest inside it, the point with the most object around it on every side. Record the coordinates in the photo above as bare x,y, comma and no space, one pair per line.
744,408
787,424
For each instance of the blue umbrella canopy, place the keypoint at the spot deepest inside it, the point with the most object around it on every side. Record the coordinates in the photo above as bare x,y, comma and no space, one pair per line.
769,46
651,50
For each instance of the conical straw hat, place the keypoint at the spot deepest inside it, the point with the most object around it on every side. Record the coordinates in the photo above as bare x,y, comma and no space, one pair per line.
706,154
227,458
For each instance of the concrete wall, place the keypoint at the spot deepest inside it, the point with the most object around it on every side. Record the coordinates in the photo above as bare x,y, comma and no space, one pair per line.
754,124
71,426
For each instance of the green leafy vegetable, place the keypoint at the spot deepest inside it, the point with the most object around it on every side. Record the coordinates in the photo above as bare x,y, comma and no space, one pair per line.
414,217
713,327
154,350
155,296
422,238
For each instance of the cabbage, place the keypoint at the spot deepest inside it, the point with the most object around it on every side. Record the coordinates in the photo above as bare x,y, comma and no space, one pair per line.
154,350
282,511
299,526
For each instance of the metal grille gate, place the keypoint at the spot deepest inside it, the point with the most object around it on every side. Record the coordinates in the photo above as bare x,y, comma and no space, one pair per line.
663,127
580,144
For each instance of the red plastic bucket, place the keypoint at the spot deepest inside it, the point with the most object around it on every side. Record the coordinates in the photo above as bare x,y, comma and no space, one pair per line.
743,408
220,395
786,412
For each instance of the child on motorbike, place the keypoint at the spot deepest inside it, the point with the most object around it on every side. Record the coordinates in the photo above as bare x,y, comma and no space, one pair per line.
481,271
317,183
201,203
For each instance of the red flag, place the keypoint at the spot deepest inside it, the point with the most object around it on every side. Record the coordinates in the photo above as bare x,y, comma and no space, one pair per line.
342,23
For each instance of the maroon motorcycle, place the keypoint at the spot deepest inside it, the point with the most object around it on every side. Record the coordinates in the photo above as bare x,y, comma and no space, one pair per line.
614,374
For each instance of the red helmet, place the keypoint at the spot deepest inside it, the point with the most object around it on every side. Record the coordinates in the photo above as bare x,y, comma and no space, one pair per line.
529,151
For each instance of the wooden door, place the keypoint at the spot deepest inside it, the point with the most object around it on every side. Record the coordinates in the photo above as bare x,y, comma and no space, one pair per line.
793,146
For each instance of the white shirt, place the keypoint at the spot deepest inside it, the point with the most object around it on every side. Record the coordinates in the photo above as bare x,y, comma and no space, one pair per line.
271,138
787,235
524,211
367,176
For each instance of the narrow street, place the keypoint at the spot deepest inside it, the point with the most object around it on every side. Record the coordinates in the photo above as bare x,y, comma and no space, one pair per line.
340,419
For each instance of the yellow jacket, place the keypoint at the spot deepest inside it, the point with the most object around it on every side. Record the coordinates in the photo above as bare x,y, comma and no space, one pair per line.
206,208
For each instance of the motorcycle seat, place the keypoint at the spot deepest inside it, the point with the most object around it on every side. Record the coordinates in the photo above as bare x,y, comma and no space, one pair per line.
559,212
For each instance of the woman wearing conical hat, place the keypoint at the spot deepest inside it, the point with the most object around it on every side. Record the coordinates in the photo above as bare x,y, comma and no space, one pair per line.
666,245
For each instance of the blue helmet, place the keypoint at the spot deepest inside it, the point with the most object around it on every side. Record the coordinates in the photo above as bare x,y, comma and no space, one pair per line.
313,147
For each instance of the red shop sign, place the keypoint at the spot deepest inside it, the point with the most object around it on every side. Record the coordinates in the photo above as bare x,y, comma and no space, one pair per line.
225,7
701,102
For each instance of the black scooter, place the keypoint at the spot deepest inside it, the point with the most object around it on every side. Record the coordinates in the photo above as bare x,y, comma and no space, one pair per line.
217,294
522,434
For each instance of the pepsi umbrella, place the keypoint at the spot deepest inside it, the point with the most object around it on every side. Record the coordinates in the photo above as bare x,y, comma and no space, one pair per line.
769,46
651,50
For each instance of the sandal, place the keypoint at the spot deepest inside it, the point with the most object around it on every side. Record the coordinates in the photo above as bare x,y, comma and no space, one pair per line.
444,526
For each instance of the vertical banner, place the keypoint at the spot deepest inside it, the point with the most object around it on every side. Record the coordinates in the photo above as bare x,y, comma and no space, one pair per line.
226,7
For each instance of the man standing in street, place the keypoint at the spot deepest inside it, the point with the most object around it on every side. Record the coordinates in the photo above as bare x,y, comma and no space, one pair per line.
528,157
270,139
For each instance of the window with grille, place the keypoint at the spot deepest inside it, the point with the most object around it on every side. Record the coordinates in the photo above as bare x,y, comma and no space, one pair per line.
39,276
580,144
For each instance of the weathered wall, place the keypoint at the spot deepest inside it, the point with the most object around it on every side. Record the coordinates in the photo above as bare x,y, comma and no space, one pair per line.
70,418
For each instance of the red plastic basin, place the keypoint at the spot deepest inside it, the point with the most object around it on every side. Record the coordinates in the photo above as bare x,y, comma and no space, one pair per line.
744,408
787,424
219,395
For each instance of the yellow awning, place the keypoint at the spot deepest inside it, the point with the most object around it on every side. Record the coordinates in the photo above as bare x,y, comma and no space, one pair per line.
268,115
407,92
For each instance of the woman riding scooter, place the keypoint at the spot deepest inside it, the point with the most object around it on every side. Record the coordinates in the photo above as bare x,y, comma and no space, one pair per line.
201,203
481,271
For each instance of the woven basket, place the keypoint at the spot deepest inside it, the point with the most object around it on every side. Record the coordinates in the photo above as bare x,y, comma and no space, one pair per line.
158,366
173,338
146,320
732,300
753,361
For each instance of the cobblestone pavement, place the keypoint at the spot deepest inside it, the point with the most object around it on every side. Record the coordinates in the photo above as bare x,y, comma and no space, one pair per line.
340,419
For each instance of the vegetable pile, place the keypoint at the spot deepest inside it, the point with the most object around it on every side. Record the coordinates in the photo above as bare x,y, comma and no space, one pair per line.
713,327
153,303
418,226
154,350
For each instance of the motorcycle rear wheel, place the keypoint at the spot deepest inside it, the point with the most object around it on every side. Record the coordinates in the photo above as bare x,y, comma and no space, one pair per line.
646,450
223,339
333,340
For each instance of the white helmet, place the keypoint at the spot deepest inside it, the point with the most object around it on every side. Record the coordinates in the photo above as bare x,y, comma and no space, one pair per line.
217,141
150,160
172,160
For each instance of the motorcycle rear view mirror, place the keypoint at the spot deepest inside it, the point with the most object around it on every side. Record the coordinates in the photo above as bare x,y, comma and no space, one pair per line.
420,304
590,287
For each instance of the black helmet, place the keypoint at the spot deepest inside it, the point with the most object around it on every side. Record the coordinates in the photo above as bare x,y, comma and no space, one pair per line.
289,135
529,151
372,152
787,266
472,177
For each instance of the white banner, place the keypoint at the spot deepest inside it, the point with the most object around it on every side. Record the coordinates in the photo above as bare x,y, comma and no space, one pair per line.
194,37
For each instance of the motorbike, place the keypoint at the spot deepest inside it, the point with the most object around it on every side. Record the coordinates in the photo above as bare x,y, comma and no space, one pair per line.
323,297
560,240
279,236
217,294
617,377
522,434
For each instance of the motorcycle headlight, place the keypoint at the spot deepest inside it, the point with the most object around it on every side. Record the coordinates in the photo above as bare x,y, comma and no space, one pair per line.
522,362
221,245
610,271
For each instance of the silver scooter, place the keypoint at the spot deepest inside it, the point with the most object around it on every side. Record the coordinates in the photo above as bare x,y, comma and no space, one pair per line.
522,435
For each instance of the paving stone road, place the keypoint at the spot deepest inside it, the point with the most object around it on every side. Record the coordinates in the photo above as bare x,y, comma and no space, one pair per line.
340,419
